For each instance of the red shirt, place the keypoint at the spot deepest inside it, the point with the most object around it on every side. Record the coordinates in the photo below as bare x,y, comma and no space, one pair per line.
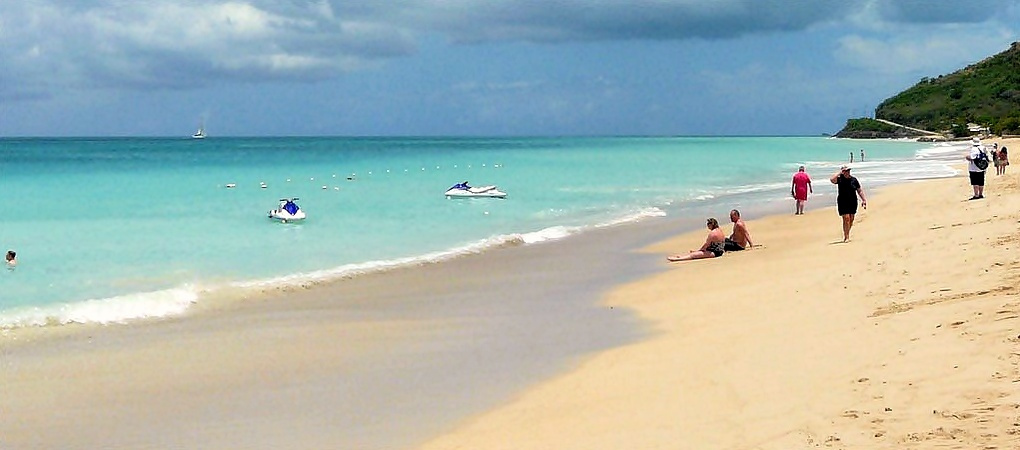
800,185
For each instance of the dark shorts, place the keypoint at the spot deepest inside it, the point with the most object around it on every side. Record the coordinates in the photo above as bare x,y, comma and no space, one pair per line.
977,178
732,246
847,206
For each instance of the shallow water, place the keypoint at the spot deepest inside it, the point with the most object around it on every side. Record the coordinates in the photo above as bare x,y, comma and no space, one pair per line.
109,230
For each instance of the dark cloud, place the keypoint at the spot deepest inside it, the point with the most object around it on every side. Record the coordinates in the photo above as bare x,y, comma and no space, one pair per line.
191,43
551,21
942,11
595,20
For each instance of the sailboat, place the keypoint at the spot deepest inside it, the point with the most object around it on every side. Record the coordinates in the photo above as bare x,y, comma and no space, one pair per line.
200,134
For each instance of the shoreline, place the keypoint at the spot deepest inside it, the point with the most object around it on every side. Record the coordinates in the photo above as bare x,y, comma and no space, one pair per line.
231,362
356,362
171,284
903,338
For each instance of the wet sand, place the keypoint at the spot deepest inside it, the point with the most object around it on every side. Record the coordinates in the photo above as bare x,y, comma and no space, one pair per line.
905,337
380,361
526,348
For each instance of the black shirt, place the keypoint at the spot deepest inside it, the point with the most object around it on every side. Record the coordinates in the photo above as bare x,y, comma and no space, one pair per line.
848,187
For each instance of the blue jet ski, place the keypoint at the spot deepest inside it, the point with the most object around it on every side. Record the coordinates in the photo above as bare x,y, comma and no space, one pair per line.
288,211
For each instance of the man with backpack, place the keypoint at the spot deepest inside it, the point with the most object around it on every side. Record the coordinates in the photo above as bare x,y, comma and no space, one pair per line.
977,163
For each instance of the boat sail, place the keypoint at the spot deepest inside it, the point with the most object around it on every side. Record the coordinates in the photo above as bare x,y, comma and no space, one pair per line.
200,134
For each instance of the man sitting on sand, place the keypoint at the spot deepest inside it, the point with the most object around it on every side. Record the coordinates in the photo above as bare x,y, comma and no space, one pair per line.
740,238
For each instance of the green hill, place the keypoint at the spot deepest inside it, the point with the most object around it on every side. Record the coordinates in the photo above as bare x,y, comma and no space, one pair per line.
986,93
865,128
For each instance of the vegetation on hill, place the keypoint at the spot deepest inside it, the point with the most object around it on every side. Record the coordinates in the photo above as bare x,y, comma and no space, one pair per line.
866,124
866,128
986,93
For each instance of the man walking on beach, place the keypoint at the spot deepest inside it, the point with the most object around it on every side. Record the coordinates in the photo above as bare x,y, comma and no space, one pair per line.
977,162
800,188
848,189
740,238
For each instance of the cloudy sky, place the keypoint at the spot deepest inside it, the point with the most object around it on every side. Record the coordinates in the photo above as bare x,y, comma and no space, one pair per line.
475,67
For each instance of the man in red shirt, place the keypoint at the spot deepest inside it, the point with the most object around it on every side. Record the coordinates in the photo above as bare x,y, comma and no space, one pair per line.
800,188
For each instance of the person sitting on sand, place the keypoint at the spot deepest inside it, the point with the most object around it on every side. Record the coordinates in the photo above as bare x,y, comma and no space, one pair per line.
714,245
740,239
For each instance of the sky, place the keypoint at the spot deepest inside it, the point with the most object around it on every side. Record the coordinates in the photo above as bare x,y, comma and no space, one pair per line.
475,67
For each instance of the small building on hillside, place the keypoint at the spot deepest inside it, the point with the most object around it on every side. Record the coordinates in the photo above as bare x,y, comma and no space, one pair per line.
977,129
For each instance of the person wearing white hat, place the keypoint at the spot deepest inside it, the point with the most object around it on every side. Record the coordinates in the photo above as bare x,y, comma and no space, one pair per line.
977,162
847,191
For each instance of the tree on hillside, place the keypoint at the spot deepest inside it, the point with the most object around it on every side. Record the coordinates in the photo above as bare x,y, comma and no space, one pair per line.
987,92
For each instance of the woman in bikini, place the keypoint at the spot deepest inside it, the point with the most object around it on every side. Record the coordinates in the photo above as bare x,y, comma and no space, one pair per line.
1003,161
713,246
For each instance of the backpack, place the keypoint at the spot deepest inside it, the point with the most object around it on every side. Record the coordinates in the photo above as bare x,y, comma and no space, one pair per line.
982,160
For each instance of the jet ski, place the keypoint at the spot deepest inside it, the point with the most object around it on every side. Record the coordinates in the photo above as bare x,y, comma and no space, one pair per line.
463,190
288,211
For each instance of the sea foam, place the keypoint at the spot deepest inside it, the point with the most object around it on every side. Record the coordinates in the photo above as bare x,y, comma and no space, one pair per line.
142,305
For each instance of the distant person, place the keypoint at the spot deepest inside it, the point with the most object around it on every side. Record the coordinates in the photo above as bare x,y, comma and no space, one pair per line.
740,238
800,187
12,258
1003,160
851,157
862,155
714,245
848,189
995,157
977,162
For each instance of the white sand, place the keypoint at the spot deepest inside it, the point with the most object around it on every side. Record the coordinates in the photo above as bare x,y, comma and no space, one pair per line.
907,337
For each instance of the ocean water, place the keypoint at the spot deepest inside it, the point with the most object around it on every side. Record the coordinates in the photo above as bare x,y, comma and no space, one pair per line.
110,230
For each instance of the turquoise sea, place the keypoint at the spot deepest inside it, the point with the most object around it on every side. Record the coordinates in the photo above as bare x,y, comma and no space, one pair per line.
110,230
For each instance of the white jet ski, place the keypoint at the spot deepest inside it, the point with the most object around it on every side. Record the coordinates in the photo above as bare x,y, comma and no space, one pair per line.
288,211
463,190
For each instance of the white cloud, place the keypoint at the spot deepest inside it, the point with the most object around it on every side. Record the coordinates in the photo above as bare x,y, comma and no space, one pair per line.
928,54
57,43
53,44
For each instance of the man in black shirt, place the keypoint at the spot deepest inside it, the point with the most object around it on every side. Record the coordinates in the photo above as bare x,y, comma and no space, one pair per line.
846,199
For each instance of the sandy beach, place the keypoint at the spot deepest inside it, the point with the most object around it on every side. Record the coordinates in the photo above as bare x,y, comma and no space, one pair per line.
906,337
382,361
